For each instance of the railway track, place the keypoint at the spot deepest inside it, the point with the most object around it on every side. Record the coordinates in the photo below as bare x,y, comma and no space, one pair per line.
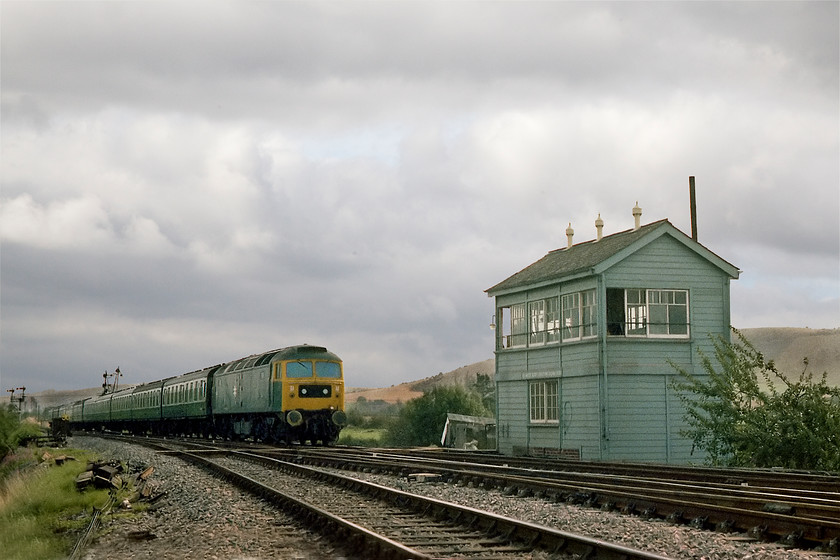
789,479
380,522
798,516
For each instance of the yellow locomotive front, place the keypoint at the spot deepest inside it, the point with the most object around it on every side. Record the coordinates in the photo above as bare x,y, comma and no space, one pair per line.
308,387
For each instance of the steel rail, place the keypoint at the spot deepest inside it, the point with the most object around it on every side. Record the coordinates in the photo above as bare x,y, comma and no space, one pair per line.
771,516
822,507
545,537
808,520
357,536
818,481
93,525
817,504
374,545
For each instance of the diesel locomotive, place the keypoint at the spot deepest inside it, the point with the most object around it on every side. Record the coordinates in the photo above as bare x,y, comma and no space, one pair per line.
292,395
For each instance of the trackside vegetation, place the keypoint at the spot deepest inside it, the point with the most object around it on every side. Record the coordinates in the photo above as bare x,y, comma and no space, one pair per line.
421,420
41,511
13,431
746,413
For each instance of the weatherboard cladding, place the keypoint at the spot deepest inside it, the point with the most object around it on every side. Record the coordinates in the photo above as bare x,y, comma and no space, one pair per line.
584,258
615,402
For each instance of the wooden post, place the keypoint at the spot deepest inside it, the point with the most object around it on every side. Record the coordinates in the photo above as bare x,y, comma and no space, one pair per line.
693,208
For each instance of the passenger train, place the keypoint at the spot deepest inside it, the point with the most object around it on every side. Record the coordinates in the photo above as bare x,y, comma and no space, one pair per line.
292,395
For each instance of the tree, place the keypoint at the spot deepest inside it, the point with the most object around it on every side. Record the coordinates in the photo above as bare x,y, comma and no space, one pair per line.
739,423
421,420
9,425
486,389
13,431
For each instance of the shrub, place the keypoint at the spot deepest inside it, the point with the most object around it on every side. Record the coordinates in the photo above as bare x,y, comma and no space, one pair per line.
421,420
10,430
740,424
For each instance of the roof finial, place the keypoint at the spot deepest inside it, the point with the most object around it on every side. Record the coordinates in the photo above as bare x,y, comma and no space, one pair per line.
637,216
570,233
599,226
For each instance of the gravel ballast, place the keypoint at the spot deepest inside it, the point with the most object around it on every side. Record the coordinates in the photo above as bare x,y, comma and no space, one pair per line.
203,517
199,517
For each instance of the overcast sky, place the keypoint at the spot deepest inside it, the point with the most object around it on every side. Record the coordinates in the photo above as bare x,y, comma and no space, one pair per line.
187,183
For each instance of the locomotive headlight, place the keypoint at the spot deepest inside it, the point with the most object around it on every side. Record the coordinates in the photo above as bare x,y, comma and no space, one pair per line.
325,391
303,391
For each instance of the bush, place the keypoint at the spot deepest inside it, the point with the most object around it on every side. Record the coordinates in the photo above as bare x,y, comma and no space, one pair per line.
740,424
421,420
13,431
8,425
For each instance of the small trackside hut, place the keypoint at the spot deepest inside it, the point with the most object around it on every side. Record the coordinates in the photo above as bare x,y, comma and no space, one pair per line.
584,337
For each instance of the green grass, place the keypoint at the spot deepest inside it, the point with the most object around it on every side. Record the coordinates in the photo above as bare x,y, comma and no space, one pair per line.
41,512
364,437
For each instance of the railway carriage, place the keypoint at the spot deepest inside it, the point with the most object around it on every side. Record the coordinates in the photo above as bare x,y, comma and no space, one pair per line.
74,411
292,394
96,413
146,407
186,403
121,411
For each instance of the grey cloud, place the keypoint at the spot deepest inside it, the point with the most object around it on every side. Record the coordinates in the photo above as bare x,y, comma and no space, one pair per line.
271,56
186,185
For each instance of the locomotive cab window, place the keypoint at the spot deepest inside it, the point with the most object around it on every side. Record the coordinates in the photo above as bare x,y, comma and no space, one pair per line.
329,370
299,369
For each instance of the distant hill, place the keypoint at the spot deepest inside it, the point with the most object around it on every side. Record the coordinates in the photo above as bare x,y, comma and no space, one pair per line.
464,376
789,346
786,346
